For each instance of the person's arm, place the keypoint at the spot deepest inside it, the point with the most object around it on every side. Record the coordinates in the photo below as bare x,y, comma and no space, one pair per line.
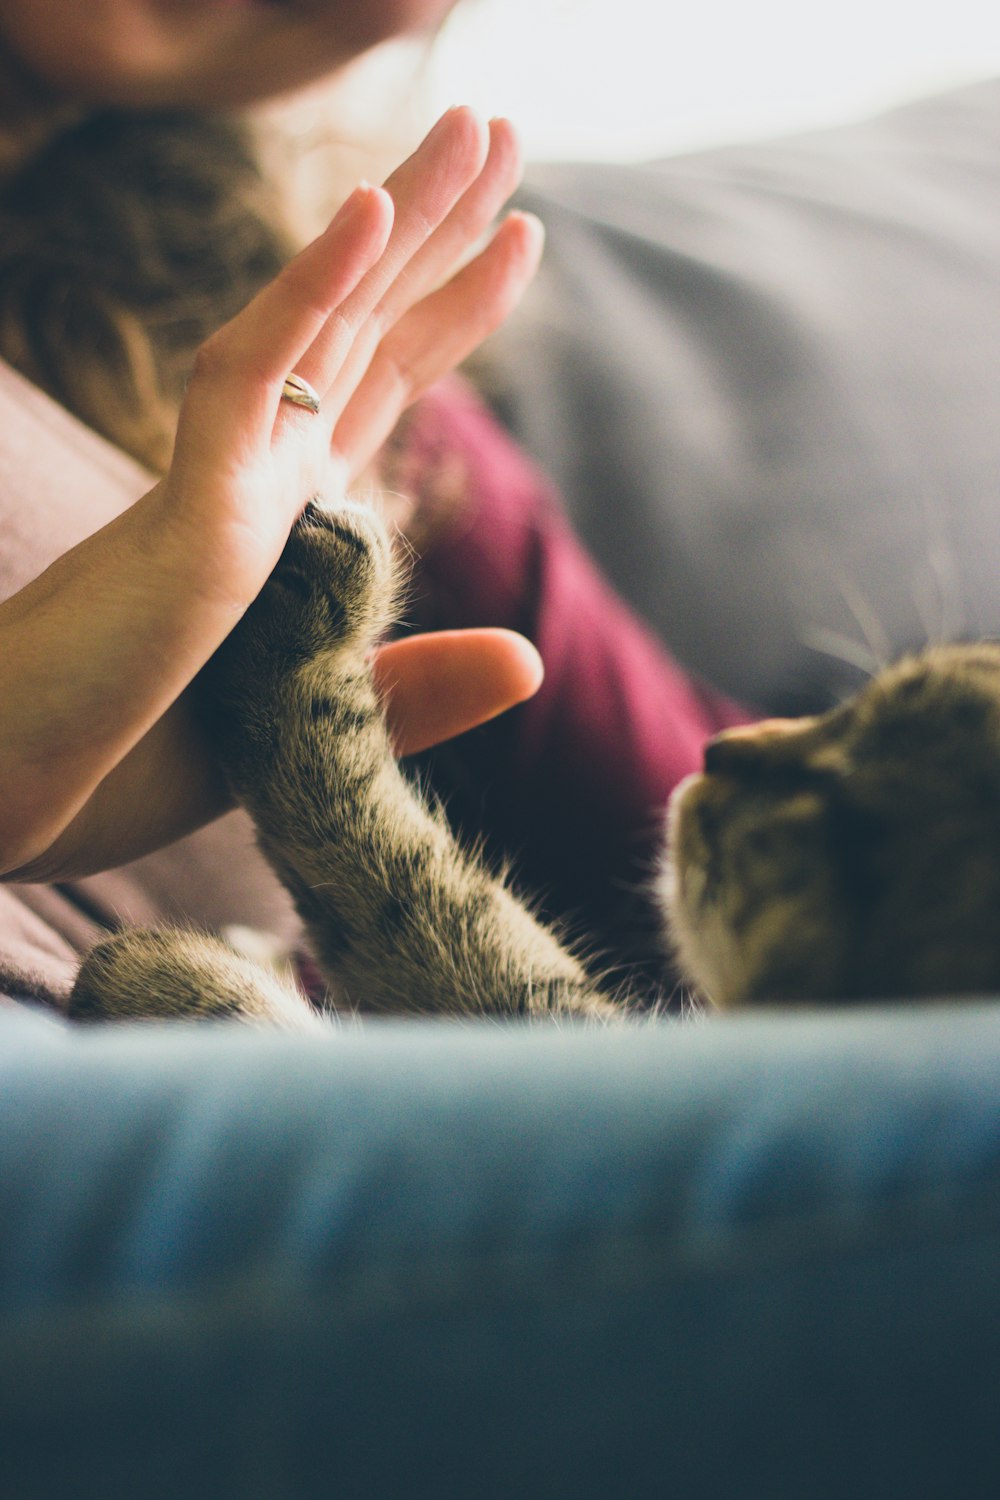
99,649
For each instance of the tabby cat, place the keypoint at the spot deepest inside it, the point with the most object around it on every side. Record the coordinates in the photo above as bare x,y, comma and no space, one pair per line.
839,858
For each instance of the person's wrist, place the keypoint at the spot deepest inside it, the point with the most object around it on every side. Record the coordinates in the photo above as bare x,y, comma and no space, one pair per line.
167,786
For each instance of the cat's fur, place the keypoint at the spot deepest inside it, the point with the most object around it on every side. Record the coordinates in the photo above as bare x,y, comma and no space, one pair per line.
851,856
399,918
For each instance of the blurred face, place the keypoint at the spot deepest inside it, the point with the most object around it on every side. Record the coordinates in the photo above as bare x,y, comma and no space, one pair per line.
196,53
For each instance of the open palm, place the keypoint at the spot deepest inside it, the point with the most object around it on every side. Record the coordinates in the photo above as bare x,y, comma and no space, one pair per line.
96,653
364,314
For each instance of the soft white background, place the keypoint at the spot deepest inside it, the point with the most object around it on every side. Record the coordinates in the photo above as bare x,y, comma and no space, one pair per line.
630,78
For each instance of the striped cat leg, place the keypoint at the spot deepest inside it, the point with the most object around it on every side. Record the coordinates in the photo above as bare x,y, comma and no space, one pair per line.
398,914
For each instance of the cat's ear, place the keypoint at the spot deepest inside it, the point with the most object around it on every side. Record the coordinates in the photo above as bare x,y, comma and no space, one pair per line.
776,744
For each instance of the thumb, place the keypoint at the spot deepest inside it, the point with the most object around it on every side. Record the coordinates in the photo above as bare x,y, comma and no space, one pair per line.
438,685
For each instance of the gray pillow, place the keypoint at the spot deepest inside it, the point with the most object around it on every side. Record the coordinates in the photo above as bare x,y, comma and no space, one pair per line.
767,380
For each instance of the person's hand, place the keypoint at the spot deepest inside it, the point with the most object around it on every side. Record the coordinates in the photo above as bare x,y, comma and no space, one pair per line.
100,760
362,316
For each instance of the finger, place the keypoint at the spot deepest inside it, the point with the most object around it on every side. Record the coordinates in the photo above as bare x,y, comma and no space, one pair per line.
436,686
451,241
424,190
467,222
436,336
241,368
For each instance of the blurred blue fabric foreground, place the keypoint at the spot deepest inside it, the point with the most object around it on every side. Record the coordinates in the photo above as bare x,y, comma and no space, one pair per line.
751,1257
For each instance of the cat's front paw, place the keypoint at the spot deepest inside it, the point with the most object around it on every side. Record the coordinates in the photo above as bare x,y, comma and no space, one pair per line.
175,975
328,600
332,588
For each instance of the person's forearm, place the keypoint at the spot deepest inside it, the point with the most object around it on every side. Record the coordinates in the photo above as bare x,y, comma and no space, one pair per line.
92,655
168,785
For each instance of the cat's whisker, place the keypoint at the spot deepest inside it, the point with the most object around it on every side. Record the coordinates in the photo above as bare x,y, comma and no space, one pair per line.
843,648
937,596
945,573
873,632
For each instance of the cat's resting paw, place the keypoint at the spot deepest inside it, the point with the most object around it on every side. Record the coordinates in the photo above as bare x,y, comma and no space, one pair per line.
172,975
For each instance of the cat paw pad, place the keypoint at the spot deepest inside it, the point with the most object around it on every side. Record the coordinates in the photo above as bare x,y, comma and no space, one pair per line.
336,574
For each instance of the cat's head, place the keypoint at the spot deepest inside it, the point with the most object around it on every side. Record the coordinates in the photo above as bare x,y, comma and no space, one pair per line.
851,856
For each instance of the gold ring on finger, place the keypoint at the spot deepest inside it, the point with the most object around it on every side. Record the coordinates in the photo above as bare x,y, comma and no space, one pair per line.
300,393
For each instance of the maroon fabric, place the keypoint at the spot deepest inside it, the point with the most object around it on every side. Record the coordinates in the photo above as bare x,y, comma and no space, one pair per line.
573,784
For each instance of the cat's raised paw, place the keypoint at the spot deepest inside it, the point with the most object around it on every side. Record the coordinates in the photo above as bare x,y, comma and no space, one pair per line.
328,600
333,584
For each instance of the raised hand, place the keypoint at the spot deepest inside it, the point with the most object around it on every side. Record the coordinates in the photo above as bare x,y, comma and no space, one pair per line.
362,316
100,755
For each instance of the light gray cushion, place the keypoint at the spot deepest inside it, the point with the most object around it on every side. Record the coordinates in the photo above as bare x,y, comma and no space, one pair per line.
768,382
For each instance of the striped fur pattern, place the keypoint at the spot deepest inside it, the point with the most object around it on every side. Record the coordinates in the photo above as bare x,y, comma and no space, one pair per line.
842,858
853,856
400,919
